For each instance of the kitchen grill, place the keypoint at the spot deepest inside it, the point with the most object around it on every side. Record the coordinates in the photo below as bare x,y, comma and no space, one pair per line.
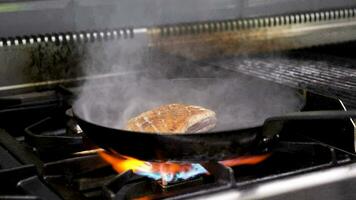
50,49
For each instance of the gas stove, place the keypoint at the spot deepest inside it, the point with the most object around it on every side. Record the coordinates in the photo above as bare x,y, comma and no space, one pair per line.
45,155
48,49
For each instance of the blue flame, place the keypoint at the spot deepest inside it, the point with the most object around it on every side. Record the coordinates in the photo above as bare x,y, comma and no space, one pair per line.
196,170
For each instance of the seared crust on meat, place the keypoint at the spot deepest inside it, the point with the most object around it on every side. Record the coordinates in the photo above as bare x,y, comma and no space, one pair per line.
170,118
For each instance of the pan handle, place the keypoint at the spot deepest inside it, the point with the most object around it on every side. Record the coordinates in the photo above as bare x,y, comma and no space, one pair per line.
273,125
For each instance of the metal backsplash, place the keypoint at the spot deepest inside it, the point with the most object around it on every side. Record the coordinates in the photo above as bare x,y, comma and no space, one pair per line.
21,17
52,41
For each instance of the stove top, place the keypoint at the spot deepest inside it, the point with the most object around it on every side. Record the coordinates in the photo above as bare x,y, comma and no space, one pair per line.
44,155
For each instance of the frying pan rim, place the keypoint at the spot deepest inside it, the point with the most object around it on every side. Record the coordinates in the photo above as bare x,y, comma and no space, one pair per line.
162,134
297,91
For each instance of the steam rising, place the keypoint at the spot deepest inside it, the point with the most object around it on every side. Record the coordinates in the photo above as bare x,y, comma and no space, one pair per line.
240,101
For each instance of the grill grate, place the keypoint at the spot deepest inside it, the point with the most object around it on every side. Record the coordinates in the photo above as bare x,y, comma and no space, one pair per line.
322,74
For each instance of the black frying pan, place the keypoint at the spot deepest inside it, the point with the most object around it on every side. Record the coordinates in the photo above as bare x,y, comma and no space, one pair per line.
242,105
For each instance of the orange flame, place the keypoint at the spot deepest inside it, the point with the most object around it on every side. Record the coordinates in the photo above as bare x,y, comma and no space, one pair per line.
245,160
123,163
168,171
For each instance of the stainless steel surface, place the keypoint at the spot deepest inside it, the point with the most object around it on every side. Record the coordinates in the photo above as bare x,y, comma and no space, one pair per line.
293,31
25,59
60,81
334,183
206,40
18,18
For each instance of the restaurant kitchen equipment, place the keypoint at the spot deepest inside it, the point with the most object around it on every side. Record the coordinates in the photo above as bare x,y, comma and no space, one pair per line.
254,62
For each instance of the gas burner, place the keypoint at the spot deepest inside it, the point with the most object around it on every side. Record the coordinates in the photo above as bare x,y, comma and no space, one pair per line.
129,185
167,173
138,179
